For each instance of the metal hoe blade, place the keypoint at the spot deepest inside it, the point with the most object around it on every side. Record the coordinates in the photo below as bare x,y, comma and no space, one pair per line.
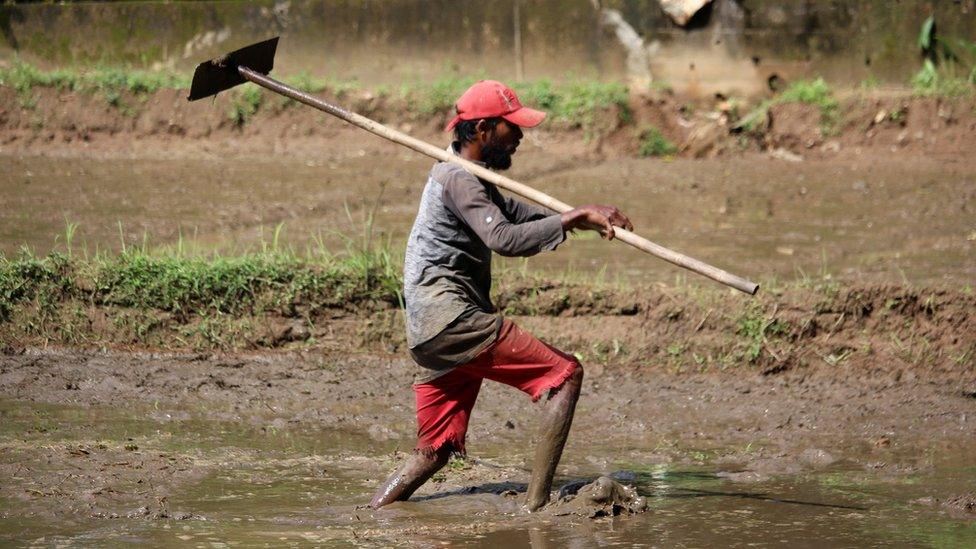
217,75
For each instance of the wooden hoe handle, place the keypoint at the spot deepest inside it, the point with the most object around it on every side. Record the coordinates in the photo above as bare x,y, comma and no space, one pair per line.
520,189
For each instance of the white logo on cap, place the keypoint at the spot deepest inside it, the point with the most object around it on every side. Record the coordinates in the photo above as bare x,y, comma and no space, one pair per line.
506,99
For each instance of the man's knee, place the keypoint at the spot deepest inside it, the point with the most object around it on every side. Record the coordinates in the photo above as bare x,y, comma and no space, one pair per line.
576,376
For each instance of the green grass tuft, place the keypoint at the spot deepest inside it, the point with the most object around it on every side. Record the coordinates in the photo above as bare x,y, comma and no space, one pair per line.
756,327
578,103
246,102
948,70
247,284
653,143
111,82
437,96
811,92
931,81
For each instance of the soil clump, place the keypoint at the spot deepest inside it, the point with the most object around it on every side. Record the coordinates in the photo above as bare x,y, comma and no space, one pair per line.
604,497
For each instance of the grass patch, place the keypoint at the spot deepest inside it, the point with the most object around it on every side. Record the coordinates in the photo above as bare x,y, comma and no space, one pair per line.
811,92
269,298
110,82
270,281
245,103
949,69
309,83
756,327
930,81
576,103
653,143
436,96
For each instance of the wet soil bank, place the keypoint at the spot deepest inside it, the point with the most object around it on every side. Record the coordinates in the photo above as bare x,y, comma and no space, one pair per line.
285,446
880,123
138,303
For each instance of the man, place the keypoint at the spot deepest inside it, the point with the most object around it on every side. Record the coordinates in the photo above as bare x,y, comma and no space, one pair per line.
454,333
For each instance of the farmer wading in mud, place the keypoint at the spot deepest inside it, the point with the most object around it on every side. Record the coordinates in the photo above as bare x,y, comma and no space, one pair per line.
455,334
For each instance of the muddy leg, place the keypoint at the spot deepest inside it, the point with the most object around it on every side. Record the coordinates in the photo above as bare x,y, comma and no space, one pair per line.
557,417
411,476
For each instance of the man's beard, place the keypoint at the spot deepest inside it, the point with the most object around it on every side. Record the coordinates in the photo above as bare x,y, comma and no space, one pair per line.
496,158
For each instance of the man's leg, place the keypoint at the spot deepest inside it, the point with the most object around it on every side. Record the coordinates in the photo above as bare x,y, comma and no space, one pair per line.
520,360
443,410
557,418
414,473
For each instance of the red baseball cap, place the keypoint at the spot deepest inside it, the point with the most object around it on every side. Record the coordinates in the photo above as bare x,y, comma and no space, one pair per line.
489,99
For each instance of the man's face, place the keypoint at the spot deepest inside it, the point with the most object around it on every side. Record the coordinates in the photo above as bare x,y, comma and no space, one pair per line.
500,144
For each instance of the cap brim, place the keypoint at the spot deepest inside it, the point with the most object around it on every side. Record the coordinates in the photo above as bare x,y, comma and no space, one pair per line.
525,117
454,121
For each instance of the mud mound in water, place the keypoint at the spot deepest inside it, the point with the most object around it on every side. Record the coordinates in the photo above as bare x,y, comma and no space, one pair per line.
604,497
961,506
965,503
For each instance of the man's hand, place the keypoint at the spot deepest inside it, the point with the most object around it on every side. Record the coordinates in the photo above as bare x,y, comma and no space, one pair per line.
596,217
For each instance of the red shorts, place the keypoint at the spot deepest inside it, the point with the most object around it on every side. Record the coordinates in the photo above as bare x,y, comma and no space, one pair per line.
516,358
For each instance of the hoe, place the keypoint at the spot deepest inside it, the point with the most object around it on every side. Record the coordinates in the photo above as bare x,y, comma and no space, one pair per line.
254,62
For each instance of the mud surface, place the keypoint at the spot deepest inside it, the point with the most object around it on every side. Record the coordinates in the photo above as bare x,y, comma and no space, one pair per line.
893,220
287,447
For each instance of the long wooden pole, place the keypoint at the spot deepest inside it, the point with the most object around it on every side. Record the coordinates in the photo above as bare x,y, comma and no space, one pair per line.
506,183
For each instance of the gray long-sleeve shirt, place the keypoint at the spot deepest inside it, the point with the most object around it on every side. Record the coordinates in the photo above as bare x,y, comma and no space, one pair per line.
447,270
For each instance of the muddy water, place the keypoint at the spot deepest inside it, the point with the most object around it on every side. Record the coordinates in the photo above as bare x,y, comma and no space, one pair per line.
887,220
275,483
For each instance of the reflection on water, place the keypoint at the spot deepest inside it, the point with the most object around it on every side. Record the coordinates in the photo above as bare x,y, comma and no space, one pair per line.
699,509
289,485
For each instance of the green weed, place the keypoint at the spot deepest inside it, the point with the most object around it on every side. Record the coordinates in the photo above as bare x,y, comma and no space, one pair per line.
811,92
24,77
898,115
818,93
540,94
653,143
755,327
252,283
305,82
931,81
457,464
869,83
579,103
111,82
438,96
245,104
947,71
308,83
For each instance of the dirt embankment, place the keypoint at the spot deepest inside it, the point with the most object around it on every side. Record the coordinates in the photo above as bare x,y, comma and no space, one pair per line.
863,123
891,332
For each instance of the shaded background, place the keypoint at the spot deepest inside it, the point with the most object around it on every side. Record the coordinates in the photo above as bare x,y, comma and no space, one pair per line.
379,42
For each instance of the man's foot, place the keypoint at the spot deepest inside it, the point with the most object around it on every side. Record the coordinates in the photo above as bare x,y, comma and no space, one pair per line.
414,473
